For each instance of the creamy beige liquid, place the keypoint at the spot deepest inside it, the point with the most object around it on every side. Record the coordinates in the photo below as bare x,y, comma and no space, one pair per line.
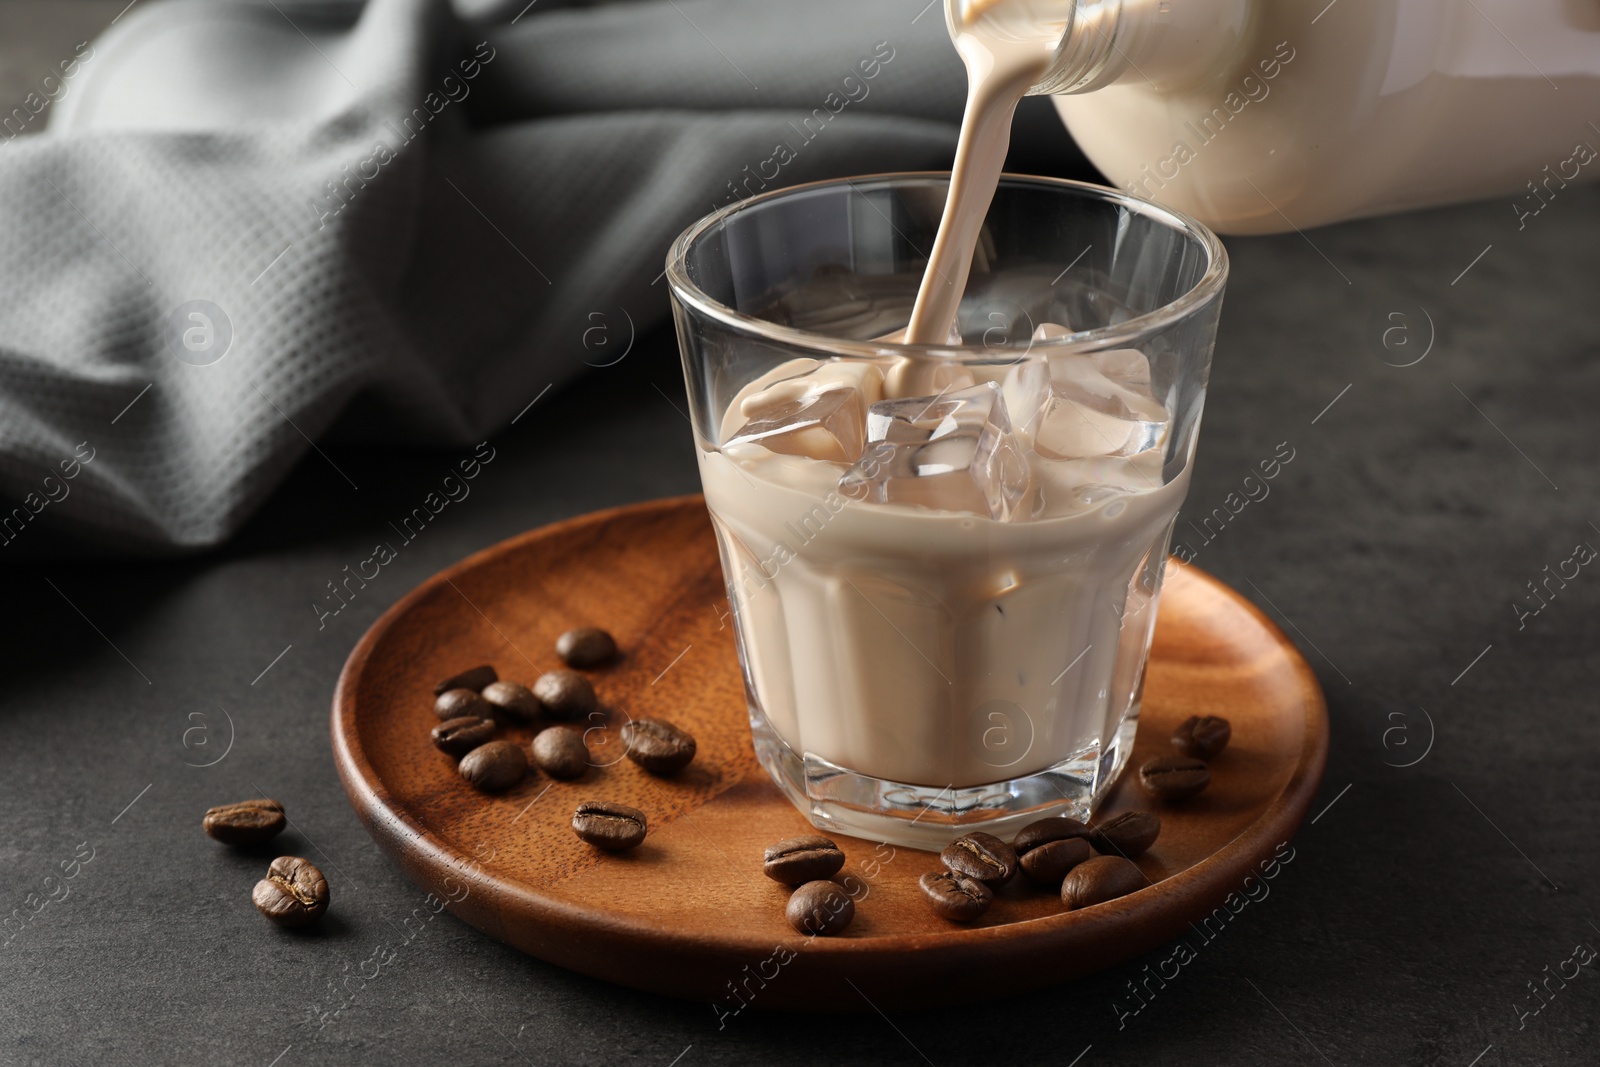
935,634
927,647
1001,67
935,645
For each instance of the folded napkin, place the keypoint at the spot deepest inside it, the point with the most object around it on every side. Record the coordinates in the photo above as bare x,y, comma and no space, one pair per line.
253,226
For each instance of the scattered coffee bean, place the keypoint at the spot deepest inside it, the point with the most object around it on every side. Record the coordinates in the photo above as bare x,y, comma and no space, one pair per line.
475,680
1043,831
495,766
798,860
245,823
457,737
1047,864
1099,880
514,699
560,752
455,703
1173,777
981,856
1129,834
293,893
608,826
657,745
565,694
585,647
820,907
1049,848
955,896
1202,736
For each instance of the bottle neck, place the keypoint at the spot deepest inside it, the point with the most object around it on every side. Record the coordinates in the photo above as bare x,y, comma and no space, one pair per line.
1164,44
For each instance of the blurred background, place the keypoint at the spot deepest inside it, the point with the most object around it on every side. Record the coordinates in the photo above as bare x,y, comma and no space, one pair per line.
242,231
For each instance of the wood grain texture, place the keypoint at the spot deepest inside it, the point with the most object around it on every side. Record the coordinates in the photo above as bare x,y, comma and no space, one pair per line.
689,913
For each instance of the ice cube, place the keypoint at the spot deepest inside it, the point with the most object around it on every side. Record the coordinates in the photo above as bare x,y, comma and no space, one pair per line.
819,414
954,451
1062,486
824,425
1082,405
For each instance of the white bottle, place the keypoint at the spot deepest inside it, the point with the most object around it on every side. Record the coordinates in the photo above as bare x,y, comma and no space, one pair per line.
1259,116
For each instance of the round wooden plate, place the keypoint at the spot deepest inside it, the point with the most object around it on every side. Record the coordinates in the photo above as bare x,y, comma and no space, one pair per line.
689,913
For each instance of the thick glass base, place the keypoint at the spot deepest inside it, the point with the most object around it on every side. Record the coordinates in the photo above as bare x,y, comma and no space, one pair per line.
927,817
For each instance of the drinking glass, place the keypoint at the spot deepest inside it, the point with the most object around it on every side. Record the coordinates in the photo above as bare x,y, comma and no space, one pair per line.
939,630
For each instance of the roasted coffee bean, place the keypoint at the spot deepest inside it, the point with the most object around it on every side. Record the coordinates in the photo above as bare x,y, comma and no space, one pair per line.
585,647
1129,834
608,826
1047,864
495,766
820,907
1048,849
475,680
981,856
1043,831
293,893
1202,736
246,822
1099,880
657,745
455,703
565,694
798,860
457,737
513,699
1173,777
955,896
560,752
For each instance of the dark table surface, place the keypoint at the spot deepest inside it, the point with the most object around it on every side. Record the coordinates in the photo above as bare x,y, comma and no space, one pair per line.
1451,864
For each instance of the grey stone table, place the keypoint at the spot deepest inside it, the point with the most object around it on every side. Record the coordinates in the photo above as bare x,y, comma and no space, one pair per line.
1441,902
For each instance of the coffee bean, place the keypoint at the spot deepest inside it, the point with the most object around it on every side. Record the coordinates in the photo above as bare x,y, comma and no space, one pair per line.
456,703
955,896
514,699
608,826
565,694
798,860
1202,736
1099,880
981,856
1048,848
560,752
1043,831
585,647
245,823
1173,777
1129,834
293,893
820,907
457,737
495,766
1050,862
657,745
475,680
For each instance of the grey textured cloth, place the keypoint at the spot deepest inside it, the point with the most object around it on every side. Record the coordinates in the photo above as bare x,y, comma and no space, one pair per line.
251,226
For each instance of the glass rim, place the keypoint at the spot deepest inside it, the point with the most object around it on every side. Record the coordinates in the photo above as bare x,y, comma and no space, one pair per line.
1123,334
